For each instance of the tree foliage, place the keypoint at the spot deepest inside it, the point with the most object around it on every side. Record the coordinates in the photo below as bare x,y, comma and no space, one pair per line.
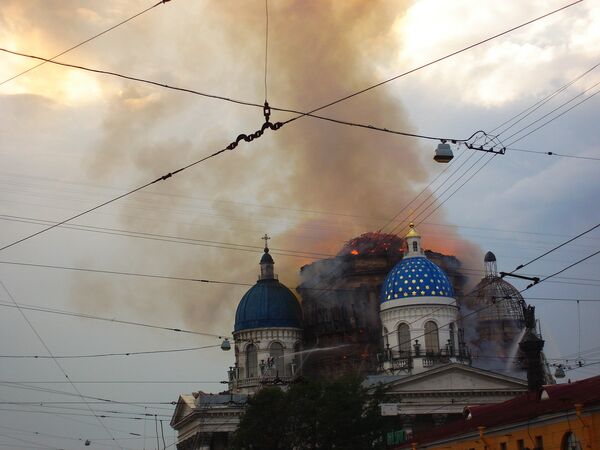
337,414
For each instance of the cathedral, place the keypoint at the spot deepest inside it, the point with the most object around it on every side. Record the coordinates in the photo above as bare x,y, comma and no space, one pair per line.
387,310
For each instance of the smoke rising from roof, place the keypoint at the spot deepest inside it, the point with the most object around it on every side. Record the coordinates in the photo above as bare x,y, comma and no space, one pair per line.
318,52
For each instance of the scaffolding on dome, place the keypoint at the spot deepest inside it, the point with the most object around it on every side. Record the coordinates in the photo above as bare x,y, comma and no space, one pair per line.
501,300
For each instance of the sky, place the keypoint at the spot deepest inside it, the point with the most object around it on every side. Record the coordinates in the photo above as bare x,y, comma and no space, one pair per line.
73,139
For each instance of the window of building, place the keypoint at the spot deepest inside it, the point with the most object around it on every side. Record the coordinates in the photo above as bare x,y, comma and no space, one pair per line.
403,338
520,444
251,361
502,445
415,246
386,341
539,443
276,353
432,338
570,442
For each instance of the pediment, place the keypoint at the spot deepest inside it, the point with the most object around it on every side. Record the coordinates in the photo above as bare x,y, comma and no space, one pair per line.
456,377
185,406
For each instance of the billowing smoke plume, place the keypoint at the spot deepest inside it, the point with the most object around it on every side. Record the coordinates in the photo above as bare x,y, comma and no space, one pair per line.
311,185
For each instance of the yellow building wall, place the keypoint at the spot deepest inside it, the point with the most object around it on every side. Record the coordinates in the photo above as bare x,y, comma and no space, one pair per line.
553,430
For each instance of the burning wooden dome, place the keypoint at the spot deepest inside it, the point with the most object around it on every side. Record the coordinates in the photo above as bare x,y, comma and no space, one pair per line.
340,303
373,244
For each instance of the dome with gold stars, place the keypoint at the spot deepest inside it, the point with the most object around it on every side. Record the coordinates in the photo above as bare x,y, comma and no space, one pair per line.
415,277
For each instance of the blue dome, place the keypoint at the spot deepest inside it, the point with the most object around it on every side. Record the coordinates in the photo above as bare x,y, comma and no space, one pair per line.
415,277
268,304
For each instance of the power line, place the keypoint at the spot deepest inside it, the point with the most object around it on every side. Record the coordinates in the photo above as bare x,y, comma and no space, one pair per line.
169,238
266,44
552,111
102,355
562,270
562,155
131,274
231,146
105,319
556,248
232,100
9,382
465,182
39,337
535,107
434,62
390,221
555,117
527,112
311,113
85,42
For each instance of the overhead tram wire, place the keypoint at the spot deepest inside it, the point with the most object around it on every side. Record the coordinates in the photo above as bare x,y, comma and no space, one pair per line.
527,112
448,166
102,355
107,319
108,432
301,114
266,45
463,184
554,118
589,230
169,238
432,202
130,274
554,110
85,42
236,246
589,158
520,116
362,91
508,146
232,146
239,102
562,270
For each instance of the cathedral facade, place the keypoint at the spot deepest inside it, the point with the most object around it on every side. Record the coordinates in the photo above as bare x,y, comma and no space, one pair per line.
384,309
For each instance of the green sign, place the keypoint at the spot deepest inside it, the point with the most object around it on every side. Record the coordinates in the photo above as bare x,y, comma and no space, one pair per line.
396,437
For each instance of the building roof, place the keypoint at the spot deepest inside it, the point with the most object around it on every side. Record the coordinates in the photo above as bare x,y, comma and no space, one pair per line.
268,304
551,399
416,277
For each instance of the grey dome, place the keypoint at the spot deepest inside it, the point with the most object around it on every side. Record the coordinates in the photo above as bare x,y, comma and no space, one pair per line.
489,257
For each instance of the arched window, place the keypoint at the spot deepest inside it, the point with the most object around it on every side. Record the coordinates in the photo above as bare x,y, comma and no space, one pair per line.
432,338
276,353
570,442
251,361
451,338
415,246
386,341
403,338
